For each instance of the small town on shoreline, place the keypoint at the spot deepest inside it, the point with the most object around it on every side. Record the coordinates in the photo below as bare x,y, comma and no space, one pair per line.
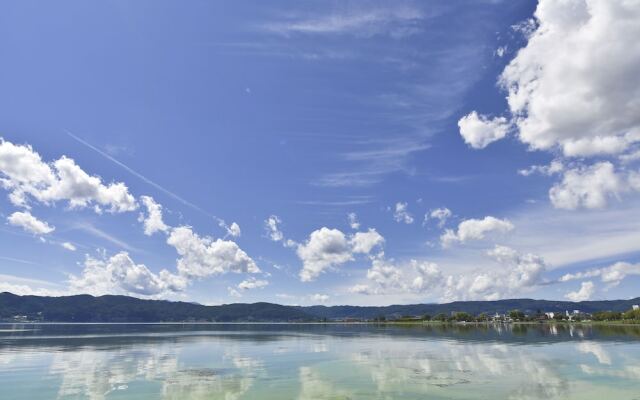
630,316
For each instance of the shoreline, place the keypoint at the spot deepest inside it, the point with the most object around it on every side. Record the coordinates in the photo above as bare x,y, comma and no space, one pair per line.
400,323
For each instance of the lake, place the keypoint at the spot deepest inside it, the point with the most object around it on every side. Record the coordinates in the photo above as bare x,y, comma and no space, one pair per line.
273,361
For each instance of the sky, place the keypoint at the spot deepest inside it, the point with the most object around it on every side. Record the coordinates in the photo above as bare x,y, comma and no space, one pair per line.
318,152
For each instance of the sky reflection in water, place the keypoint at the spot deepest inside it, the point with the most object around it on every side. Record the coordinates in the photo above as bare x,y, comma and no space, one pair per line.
318,362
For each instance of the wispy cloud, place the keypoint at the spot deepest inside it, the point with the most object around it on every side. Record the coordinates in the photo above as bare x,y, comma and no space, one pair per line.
372,160
411,114
423,87
350,201
351,178
386,151
396,21
564,239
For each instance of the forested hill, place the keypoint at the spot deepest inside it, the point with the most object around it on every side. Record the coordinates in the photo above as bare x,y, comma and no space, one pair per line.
86,308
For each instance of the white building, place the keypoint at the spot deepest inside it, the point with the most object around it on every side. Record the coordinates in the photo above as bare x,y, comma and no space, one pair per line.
635,307
549,315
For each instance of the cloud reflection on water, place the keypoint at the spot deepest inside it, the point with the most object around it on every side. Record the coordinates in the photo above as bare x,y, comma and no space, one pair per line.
471,363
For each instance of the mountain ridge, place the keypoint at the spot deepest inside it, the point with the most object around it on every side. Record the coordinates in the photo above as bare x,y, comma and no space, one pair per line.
117,308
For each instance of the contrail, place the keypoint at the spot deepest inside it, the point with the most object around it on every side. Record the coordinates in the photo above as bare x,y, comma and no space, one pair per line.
104,235
142,177
18,260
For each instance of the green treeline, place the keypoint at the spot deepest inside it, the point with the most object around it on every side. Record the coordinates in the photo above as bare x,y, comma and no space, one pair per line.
631,315
519,316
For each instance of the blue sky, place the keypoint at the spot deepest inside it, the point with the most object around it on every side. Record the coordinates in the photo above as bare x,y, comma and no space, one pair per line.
496,120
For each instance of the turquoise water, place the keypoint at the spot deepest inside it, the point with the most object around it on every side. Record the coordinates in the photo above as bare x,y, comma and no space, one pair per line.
318,362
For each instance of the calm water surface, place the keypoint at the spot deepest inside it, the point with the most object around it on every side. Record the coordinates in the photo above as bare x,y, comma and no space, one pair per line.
318,362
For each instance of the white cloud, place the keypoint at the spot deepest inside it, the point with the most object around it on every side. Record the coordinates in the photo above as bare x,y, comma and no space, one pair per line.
559,91
30,223
81,189
324,248
327,248
570,90
475,229
591,186
27,177
618,271
203,256
252,283
401,213
273,232
515,273
440,214
581,275
22,169
232,230
478,131
429,276
554,167
611,275
353,221
153,220
360,289
69,246
587,289
319,298
525,269
364,242
564,239
526,27
598,145
271,225
385,275
119,274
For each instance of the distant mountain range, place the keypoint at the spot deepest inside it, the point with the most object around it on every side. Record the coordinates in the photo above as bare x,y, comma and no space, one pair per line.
86,308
